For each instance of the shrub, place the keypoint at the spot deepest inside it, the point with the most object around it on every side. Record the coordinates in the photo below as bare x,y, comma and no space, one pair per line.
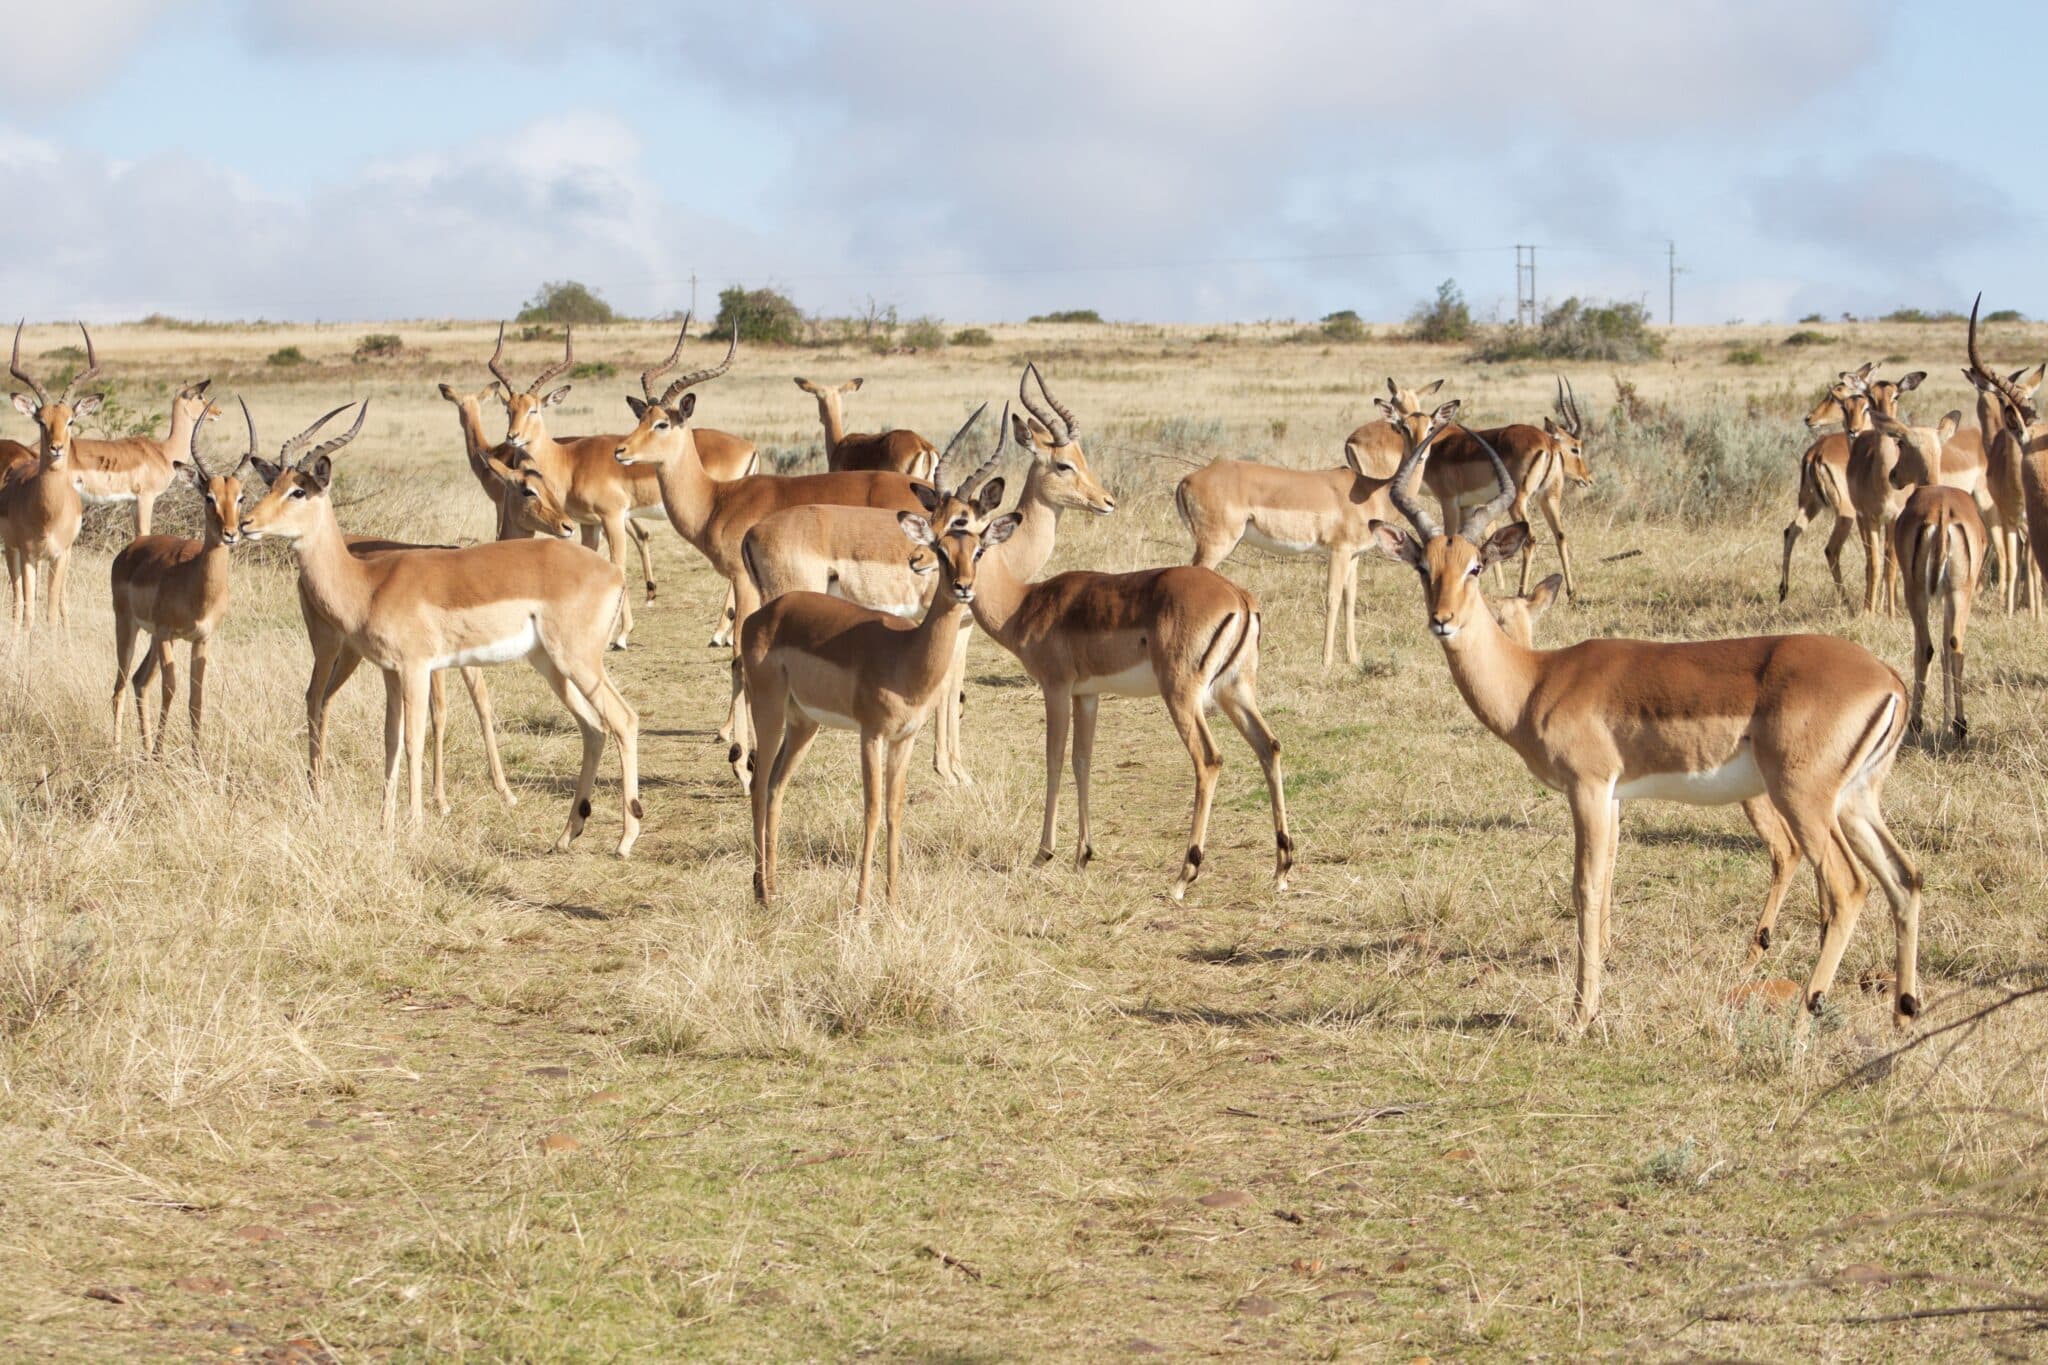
536,332
1921,315
1745,355
66,354
380,346
1070,315
286,355
1812,317
566,301
593,369
762,315
1578,330
1344,325
925,334
1808,337
2005,315
1448,318
1694,465
973,336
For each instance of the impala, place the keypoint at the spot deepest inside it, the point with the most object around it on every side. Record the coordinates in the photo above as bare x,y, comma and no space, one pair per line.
1518,615
1375,448
415,612
176,589
2006,440
1938,542
1800,729
592,487
1824,475
524,503
1889,458
139,469
1296,511
1187,635
39,504
1539,460
715,517
904,451
811,659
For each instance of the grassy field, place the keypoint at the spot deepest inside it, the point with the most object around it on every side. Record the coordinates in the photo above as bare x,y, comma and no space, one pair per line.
274,1086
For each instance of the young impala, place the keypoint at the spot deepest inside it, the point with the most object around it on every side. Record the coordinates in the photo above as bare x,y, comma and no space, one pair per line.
1297,511
39,504
1539,460
418,611
1800,729
811,659
902,450
1374,449
176,589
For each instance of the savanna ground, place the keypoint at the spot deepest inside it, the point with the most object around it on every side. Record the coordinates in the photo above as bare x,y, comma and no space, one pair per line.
268,1077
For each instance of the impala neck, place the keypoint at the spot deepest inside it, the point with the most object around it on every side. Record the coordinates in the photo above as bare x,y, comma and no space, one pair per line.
1029,548
335,580
471,417
180,438
1494,674
687,492
999,590
834,419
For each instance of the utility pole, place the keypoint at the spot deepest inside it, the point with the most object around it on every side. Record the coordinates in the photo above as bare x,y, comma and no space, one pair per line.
1671,284
693,293
1525,287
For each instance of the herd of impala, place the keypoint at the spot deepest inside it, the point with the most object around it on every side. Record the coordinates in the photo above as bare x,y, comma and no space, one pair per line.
853,596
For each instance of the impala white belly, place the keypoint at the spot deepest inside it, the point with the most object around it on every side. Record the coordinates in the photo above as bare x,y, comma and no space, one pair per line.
1736,780
653,511
91,498
505,651
1255,536
1136,681
910,611
831,720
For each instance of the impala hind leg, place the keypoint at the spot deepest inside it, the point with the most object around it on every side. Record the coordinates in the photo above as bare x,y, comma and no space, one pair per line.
1770,826
1838,880
1058,704
1333,604
394,751
767,699
1084,754
1863,823
874,777
590,727
721,633
437,727
615,549
798,732
1184,705
1956,625
588,678
480,698
126,632
167,672
415,687
1837,539
1923,650
642,542
1793,530
1241,705
896,770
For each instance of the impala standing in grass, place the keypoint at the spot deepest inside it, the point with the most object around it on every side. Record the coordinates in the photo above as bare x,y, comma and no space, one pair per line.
901,450
39,504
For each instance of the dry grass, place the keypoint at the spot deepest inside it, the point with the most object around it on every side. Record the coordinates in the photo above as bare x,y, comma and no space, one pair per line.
225,1007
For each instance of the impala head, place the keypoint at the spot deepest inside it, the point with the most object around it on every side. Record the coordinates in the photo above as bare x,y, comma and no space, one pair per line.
2014,393
660,419
1052,434
1567,431
539,509
957,551
829,395
523,407
1401,402
1450,565
298,479
1845,395
471,403
56,422
222,493
1882,394
1919,447
968,504
192,404
1518,615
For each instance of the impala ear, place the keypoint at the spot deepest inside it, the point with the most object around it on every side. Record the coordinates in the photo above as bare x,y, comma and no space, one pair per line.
448,392
1351,459
321,473
988,497
1396,544
1862,371
1505,543
1446,411
1000,530
1950,422
806,385
1427,389
88,405
267,471
638,405
1550,427
927,495
852,385
1912,381
557,396
24,405
1031,434
1546,593
684,406
915,527
1385,407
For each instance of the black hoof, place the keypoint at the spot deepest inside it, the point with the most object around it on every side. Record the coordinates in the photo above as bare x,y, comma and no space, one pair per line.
583,809
1763,938
639,813
732,755
1817,1003
1909,1006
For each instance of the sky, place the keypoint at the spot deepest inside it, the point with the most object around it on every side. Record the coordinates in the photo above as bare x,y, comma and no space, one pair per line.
1191,162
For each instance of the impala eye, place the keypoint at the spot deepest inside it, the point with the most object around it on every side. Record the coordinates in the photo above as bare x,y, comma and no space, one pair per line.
661,426
298,493
1062,467
1473,572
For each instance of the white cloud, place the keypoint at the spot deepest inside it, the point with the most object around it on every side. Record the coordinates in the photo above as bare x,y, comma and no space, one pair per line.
55,53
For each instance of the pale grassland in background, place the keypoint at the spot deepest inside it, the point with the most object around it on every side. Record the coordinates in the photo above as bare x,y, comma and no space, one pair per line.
266,1075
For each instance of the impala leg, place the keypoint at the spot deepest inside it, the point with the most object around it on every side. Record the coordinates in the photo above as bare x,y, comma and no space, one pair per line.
30,566
437,722
126,632
1333,605
1240,704
798,732
145,513
952,710
414,688
1553,513
643,543
1793,529
1863,823
195,693
1770,826
767,700
14,585
480,698
394,732
1058,705
1351,607
333,662
747,599
1594,830
1084,754
898,771
1923,649
167,673
1607,880
1958,626
721,633
144,675
589,724
1839,881
60,569
615,548
1873,562
1184,705
874,759
1837,538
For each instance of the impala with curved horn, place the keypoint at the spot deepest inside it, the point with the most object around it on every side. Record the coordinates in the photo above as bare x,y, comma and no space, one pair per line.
176,589
715,517
415,612
1298,511
1801,730
900,449
594,489
2005,415
39,504
814,660
1539,460
139,469
524,503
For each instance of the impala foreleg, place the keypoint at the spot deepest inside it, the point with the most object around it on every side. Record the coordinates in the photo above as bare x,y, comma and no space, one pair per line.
1242,707
1085,709
615,547
642,542
480,698
1058,708
195,698
897,771
1863,823
394,738
126,633
414,687
1595,834
874,778
167,674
